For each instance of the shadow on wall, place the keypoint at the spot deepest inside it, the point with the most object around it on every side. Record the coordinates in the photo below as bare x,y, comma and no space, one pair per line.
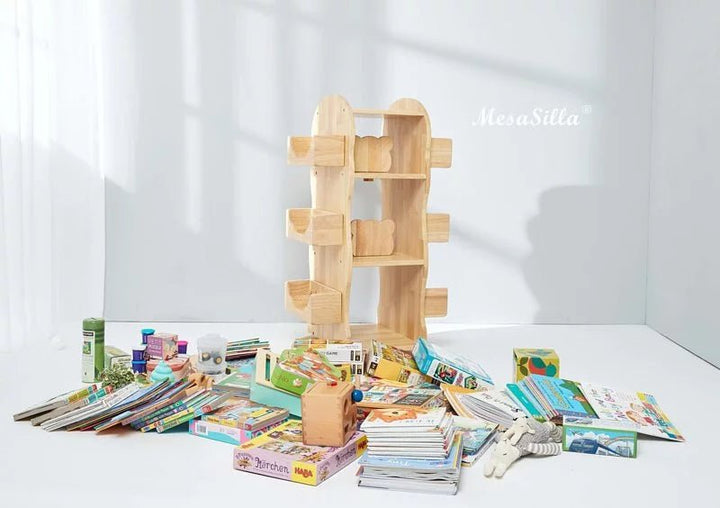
574,268
195,229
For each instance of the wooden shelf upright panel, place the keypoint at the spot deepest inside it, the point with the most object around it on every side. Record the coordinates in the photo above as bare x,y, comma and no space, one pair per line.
332,190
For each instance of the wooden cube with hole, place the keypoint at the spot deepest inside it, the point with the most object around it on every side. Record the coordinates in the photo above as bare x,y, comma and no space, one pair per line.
329,414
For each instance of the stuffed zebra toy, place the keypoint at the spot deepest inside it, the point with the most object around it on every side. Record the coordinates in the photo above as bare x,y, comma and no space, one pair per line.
525,436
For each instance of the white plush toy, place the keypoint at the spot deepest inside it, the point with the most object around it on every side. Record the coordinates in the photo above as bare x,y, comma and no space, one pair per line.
524,437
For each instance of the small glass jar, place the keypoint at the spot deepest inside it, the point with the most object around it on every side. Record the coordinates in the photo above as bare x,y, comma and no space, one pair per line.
211,350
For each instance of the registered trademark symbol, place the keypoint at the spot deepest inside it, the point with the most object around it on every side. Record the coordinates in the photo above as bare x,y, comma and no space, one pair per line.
586,109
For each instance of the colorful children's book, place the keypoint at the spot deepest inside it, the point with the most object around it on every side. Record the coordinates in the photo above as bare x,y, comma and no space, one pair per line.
281,453
237,382
448,367
388,362
344,354
379,394
403,420
633,411
298,369
230,435
263,391
524,401
558,397
244,414
587,435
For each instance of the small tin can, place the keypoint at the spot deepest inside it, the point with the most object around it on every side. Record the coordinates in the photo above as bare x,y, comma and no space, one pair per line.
139,366
146,332
138,353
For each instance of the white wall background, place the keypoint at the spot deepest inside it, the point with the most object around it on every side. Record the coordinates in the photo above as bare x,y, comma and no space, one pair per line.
684,257
549,224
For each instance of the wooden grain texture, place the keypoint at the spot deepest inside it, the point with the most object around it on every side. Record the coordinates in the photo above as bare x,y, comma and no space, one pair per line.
332,190
404,300
436,302
316,150
438,225
314,302
372,237
372,154
402,288
329,414
314,227
441,153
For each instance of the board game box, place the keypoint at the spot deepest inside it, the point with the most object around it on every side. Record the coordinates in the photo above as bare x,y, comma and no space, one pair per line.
281,453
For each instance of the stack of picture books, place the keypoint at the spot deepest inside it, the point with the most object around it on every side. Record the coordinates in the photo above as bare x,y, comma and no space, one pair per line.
411,449
248,348
237,421
550,398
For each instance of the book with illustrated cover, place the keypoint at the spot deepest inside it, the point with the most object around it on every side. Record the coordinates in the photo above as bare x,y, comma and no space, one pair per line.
492,405
281,453
477,436
559,397
388,362
377,395
297,369
633,411
237,382
244,414
587,435
403,420
448,367
224,434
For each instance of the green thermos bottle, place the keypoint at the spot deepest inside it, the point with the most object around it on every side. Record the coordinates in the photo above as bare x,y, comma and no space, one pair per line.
93,349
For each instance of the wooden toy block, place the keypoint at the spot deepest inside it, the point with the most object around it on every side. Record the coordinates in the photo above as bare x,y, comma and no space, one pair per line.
329,414
441,153
316,150
314,302
315,227
372,154
438,225
372,237
436,302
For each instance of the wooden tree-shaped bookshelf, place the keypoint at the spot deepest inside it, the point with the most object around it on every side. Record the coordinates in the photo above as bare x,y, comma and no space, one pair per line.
401,159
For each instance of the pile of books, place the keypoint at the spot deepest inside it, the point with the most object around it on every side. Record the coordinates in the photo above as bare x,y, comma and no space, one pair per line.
248,348
411,449
159,406
549,398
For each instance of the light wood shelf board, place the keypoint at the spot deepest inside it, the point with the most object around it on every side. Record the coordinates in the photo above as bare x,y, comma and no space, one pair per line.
395,259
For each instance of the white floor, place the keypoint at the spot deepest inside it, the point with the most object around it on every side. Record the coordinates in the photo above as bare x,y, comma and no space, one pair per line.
127,468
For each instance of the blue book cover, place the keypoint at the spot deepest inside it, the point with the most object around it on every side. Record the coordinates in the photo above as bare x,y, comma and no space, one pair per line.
562,396
526,401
